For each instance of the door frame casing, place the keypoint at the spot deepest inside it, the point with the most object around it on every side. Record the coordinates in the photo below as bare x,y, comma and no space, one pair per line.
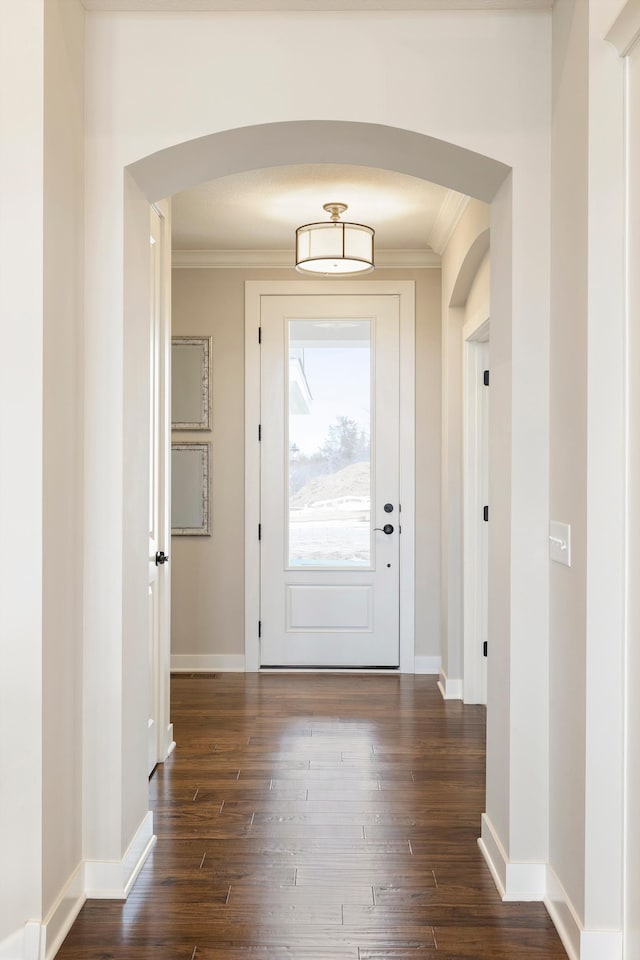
405,291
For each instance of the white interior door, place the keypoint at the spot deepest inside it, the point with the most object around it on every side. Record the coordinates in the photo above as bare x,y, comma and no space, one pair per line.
476,520
330,516
483,653
159,737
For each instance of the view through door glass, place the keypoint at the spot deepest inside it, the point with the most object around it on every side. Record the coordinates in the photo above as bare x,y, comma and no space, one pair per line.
329,444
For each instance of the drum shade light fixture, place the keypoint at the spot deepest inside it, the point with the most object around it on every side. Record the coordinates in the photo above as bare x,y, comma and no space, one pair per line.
334,246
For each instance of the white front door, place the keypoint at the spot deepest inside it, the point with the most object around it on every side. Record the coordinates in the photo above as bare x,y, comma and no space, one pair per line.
330,511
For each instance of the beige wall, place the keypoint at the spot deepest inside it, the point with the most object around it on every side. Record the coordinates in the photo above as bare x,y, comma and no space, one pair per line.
208,572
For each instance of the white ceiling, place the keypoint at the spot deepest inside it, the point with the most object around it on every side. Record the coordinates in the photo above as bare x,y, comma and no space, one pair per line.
312,5
261,209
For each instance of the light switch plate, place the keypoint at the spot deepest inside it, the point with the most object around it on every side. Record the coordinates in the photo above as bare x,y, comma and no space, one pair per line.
560,542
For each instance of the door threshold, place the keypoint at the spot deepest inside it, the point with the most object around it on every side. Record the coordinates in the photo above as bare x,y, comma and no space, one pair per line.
318,669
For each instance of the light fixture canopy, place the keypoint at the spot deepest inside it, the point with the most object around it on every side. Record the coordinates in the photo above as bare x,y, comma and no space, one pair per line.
334,247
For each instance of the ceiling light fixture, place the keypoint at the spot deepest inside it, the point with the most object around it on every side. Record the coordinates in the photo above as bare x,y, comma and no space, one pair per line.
334,247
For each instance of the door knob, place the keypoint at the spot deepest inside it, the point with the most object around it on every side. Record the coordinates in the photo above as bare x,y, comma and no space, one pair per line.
388,528
161,557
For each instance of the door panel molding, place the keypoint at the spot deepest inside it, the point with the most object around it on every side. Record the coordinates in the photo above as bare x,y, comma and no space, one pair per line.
342,608
254,291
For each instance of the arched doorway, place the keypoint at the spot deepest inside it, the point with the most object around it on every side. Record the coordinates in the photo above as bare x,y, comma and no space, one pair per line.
185,164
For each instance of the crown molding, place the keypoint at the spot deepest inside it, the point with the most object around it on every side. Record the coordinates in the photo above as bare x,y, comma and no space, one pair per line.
283,259
453,206
309,6
625,32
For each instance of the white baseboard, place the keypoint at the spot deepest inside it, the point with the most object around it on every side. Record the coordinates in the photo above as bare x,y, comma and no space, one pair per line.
169,742
91,878
25,944
451,689
601,945
561,911
113,879
579,943
206,663
494,854
515,881
60,918
427,665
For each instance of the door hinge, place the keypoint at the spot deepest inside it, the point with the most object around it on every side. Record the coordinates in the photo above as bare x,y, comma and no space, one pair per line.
259,628
259,432
259,531
259,334
485,647
486,378
485,514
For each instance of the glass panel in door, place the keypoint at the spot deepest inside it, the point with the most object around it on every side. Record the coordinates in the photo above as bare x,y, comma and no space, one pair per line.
329,444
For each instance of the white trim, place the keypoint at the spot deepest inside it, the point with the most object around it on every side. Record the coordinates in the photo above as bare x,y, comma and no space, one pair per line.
405,290
207,663
601,945
563,914
113,879
305,6
494,854
430,665
625,32
407,294
579,943
515,881
449,687
284,259
169,742
338,671
25,944
525,882
91,878
449,215
63,913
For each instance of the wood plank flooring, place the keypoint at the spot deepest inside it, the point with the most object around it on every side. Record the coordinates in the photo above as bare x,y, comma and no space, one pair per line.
316,817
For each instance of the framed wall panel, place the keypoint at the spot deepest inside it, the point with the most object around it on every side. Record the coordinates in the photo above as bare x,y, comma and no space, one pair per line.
191,383
190,478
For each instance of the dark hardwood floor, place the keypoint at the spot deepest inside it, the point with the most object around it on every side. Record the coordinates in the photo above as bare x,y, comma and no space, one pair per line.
316,816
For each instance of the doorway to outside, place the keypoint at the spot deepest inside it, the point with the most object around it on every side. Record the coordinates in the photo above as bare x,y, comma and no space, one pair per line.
329,468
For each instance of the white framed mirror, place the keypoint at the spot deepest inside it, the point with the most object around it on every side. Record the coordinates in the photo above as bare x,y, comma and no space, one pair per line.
190,514
191,383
